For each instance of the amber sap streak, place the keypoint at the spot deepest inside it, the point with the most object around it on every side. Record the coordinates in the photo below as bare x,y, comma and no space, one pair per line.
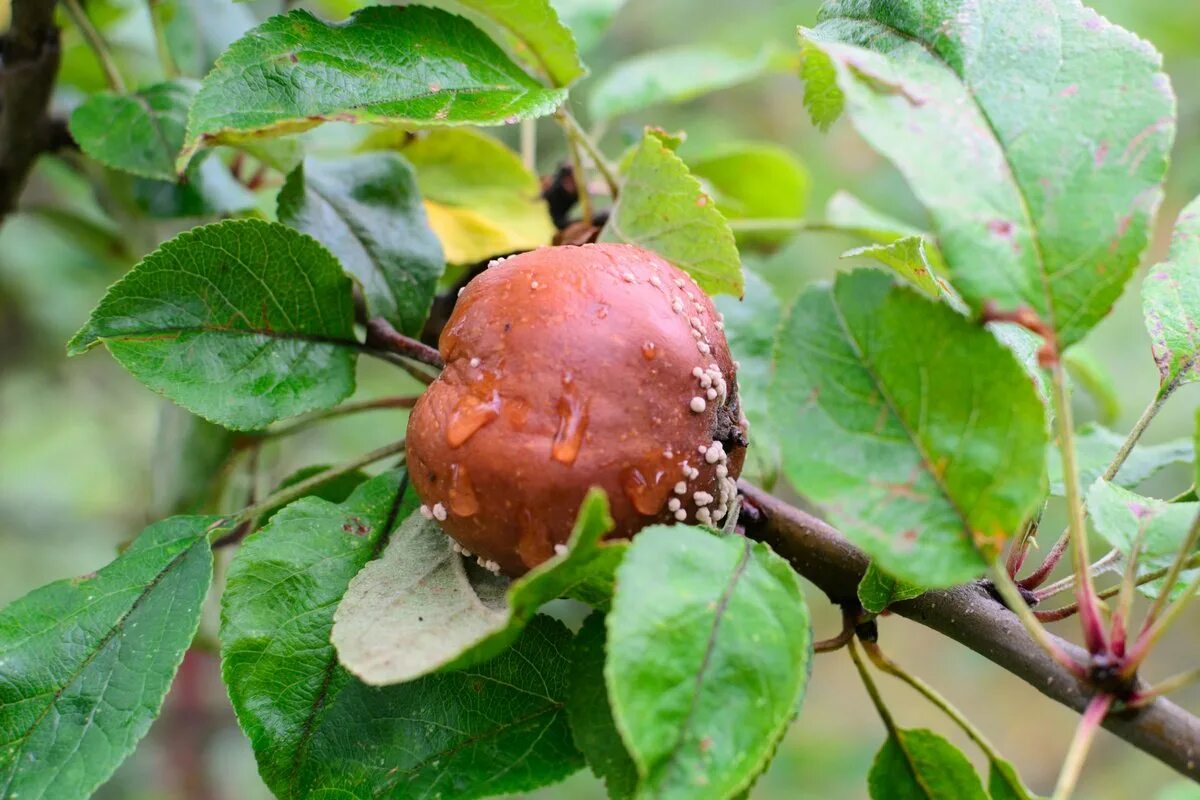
572,424
469,416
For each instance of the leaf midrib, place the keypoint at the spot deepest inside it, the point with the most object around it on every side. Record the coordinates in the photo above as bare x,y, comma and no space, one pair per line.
718,617
914,440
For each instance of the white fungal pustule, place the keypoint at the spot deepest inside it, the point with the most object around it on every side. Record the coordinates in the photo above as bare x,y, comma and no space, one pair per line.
715,453
425,512
681,515
704,516
703,347
654,281
534,284
674,504
681,488
628,277
711,394
697,372
677,306
702,449
702,498
474,362
679,283
439,512
560,549
697,405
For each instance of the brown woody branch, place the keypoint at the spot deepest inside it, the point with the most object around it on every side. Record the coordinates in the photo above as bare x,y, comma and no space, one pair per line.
969,615
29,56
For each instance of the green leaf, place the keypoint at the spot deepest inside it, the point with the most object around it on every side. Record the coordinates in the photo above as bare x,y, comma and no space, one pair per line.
367,211
907,444
243,322
480,198
590,715
663,208
424,608
541,37
709,652
754,180
1005,784
751,327
335,490
587,19
1121,517
1095,447
1036,133
1171,304
917,764
85,663
499,728
877,590
141,132
387,65
672,76
912,258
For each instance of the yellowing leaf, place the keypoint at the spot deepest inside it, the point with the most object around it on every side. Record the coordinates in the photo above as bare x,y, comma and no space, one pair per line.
480,199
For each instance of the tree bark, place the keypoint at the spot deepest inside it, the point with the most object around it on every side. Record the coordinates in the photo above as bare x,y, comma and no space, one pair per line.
971,616
29,57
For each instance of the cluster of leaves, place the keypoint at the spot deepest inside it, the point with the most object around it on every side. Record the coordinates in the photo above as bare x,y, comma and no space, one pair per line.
364,655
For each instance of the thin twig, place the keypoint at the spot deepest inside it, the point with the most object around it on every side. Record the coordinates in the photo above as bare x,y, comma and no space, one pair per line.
1111,591
1039,576
343,410
1099,566
885,664
301,488
872,689
1085,591
576,133
1077,753
529,144
841,640
382,336
1165,687
96,43
581,181
165,57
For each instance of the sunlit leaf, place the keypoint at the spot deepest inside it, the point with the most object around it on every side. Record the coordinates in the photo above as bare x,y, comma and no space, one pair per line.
1171,302
917,764
391,65
242,322
1036,133
663,208
709,644
905,441
1123,518
1095,448
540,37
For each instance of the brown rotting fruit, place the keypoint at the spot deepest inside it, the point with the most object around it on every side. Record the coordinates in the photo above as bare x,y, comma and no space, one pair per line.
573,367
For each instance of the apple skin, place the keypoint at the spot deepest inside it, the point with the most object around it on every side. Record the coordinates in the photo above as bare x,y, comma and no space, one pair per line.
573,367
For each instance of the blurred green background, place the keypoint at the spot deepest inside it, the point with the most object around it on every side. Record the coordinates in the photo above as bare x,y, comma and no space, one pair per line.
78,473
